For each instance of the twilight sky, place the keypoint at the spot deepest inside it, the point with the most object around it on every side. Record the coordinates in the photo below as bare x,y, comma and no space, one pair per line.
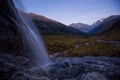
72,11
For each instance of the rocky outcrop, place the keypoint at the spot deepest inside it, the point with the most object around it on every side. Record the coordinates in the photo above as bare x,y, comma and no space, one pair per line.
10,37
86,68
14,52
20,68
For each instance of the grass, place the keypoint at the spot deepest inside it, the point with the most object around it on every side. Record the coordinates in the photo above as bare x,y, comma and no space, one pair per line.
75,45
110,35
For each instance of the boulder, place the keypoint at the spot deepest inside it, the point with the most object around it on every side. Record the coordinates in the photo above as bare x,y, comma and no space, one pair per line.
37,72
86,68
6,70
19,76
93,76
22,62
44,78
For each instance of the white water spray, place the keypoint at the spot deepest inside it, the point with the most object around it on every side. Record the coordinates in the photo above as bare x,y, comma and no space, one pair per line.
31,34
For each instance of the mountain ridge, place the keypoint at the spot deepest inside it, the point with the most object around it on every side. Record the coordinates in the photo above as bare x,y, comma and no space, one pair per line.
49,26
102,26
106,24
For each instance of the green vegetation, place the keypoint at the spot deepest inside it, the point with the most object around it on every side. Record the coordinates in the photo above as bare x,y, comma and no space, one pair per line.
76,45
114,36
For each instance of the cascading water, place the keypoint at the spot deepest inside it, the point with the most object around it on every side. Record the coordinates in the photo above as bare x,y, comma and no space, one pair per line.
34,40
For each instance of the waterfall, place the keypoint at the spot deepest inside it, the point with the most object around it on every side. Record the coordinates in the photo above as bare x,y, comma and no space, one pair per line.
33,38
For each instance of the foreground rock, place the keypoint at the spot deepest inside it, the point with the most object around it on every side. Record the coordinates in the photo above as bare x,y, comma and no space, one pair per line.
19,68
86,68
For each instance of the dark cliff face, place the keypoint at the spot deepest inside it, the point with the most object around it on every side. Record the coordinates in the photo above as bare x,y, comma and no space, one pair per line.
10,37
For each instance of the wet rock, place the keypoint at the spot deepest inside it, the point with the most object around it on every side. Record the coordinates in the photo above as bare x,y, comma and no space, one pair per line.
6,70
10,38
57,65
19,76
117,43
93,76
44,78
84,68
37,72
7,58
53,74
70,79
74,71
22,62
64,73
87,43
65,64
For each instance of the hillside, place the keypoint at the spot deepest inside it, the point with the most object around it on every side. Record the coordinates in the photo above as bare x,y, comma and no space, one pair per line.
106,24
49,26
108,28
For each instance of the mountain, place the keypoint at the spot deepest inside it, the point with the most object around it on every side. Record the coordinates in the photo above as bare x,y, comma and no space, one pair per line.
108,28
49,26
106,25
81,27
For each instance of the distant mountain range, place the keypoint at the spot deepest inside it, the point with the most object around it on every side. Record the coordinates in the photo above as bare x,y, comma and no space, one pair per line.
81,27
49,26
109,26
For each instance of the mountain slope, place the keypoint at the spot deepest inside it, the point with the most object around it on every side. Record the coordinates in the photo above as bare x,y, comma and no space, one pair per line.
49,26
81,27
108,28
106,24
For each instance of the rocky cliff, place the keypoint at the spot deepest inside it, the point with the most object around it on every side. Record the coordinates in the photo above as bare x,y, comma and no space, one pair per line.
10,37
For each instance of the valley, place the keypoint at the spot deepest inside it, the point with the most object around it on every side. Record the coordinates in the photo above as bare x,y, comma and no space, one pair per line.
91,40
